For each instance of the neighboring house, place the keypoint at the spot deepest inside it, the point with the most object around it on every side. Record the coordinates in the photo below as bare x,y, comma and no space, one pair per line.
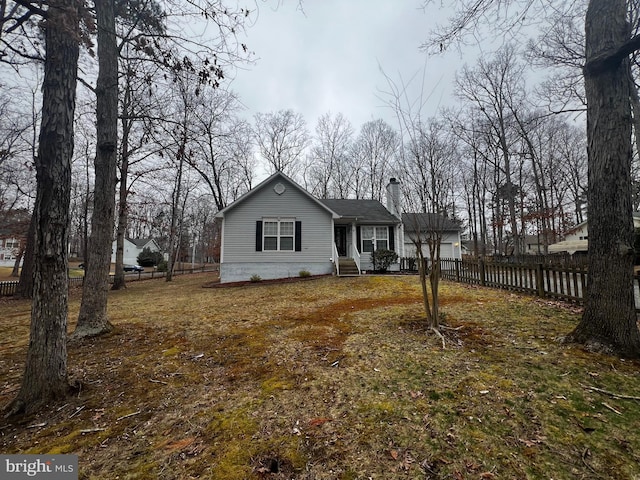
133,247
14,225
9,250
417,226
534,244
278,229
577,239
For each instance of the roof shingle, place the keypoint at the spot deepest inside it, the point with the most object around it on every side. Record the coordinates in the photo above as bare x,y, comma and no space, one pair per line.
368,211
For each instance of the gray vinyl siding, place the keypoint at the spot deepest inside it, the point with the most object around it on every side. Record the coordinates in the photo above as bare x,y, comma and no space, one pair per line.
240,228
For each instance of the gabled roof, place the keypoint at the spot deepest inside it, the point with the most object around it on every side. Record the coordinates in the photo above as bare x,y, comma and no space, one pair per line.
266,182
140,242
538,239
428,222
365,211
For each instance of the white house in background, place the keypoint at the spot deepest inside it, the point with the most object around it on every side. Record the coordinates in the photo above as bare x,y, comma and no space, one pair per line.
577,239
9,250
133,247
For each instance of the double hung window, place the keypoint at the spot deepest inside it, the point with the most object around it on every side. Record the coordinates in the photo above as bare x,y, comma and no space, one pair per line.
374,238
278,234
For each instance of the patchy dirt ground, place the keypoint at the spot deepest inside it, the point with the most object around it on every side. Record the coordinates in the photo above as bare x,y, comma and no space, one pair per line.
330,379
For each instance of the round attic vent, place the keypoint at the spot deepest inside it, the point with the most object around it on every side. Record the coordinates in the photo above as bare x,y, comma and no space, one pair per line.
279,188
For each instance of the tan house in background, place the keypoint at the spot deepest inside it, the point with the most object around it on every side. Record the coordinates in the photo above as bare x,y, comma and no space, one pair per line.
577,239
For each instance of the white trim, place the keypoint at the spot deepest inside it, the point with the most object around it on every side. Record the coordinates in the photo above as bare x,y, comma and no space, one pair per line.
278,236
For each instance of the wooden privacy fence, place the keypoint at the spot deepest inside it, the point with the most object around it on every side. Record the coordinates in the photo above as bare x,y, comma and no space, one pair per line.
563,282
544,280
559,281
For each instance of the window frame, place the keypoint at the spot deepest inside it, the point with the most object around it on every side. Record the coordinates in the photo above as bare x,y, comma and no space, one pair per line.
375,238
279,236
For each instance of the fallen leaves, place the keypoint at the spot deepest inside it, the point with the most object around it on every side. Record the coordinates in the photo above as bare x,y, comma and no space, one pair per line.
405,459
316,378
317,422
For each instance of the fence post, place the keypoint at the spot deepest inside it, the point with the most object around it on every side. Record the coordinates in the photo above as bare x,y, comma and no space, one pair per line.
540,280
482,273
457,270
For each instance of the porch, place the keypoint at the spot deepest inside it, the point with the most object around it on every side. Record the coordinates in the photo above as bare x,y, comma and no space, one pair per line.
347,258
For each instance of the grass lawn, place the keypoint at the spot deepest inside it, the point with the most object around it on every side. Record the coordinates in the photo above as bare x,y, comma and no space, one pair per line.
330,379
5,273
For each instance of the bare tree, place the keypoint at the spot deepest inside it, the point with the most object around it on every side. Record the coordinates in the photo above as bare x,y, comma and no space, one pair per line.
609,321
572,150
45,377
92,319
224,159
26,281
428,160
282,138
492,87
139,108
375,151
330,172
476,165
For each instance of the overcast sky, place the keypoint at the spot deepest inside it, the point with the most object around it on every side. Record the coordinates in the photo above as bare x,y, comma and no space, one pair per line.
328,59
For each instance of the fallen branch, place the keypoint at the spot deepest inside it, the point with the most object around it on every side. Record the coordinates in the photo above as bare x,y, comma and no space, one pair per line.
611,394
437,332
37,425
78,410
611,408
455,329
158,381
92,430
128,415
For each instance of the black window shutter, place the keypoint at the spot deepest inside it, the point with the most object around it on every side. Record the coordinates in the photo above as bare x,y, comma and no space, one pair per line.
358,238
259,236
392,240
298,238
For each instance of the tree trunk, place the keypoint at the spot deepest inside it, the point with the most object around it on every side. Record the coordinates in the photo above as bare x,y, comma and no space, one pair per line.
119,277
609,321
434,279
25,284
422,272
15,272
119,281
93,319
45,376
174,235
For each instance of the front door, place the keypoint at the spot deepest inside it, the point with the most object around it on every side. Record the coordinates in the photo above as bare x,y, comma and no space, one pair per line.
340,237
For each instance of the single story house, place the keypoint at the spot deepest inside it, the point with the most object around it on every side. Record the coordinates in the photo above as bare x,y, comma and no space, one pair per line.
534,244
278,229
133,247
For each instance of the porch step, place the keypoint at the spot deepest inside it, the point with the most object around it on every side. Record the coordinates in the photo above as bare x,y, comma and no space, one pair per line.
348,267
